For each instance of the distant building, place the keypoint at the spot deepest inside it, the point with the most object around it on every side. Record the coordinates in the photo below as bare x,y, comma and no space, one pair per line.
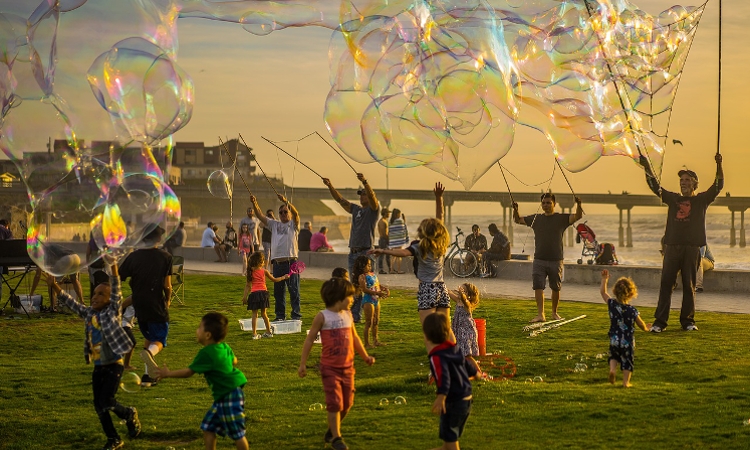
198,161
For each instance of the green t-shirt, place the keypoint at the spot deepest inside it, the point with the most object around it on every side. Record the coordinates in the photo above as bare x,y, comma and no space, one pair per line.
215,362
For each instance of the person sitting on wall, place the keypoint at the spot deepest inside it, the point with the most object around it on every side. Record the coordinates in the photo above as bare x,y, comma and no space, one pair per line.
319,241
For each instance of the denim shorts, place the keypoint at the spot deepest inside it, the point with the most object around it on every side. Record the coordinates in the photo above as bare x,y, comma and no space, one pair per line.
541,270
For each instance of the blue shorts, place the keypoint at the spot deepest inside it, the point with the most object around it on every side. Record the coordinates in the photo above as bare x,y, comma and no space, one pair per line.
154,331
227,416
454,419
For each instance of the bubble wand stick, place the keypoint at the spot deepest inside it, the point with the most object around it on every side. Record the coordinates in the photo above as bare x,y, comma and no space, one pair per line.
234,164
339,153
566,180
290,155
258,164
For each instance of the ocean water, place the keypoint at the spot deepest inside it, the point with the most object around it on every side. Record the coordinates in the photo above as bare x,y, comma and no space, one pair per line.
647,231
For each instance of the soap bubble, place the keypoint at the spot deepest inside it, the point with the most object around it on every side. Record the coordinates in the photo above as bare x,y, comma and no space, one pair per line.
580,367
316,407
599,356
399,400
529,380
569,357
383,402
130,382
219,185
538,379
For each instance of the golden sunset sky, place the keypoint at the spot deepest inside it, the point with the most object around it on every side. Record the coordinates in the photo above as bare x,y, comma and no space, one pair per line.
276,85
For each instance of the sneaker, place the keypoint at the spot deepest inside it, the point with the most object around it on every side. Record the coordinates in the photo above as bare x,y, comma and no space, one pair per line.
147,381
113,444
148,359
656,329
339,444
484,275
267,335
700,289
691,327
328,437
133,424
278,319
382,272
256,336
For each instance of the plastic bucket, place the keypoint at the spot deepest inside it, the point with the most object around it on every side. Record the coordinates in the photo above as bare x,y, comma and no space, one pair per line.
481,335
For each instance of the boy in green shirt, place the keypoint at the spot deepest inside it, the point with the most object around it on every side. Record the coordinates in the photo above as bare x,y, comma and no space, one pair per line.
217,362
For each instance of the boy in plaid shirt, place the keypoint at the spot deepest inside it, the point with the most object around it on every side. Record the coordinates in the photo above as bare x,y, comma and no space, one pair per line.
106,343
217,362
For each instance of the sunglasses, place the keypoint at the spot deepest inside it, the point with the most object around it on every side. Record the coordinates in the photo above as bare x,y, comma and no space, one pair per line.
284,212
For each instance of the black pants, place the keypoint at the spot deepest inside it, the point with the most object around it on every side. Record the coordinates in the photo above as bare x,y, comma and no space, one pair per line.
678,258
105,381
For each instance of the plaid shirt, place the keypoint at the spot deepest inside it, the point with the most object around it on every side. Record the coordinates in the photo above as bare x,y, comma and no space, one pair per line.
109,319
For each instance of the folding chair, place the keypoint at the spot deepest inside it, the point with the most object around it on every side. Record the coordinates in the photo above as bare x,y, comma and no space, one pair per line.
178,279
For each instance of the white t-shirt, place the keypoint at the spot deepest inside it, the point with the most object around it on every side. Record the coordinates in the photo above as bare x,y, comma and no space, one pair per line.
208,238
283,238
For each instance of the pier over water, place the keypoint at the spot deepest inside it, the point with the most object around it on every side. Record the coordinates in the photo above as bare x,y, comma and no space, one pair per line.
623,202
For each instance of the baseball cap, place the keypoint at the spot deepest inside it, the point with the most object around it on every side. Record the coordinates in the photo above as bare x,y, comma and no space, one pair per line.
689,173
361,191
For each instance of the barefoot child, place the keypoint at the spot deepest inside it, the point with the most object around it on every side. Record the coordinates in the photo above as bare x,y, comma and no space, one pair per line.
463,325
259,298
217,362
106,342
369,285
340,340
452,372
623,318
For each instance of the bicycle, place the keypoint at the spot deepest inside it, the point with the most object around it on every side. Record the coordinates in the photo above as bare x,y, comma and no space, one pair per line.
458,259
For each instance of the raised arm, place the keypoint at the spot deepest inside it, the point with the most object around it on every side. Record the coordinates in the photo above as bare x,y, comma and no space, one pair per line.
719,181
258,213
336,196
439,207
579,212
603,289
651,180
374,205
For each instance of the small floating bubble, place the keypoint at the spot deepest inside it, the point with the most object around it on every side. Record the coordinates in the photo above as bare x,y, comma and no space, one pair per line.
383,402
400,400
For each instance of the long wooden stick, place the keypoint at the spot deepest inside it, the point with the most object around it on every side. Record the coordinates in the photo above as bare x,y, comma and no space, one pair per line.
338,153
234,164
290,155
258,164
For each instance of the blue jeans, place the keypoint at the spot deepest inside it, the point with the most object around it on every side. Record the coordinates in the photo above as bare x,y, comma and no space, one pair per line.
279,291
357,304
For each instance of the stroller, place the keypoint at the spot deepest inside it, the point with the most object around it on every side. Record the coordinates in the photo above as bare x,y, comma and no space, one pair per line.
585,235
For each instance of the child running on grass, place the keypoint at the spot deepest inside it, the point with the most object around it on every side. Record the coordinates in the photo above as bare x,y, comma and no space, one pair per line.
106,342
372,292
623,317
259,298
217,362
340,340
452,372
463,325
245,246
429,251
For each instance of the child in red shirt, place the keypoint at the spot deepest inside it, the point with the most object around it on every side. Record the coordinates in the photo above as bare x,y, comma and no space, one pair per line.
340,340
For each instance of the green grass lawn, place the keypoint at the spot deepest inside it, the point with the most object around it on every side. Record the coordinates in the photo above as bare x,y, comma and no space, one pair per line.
690,389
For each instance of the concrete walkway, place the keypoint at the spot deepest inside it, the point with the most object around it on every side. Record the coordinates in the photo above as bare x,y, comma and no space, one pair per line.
727,302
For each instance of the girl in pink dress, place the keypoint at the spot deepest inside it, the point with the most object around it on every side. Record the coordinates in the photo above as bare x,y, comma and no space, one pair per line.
245,246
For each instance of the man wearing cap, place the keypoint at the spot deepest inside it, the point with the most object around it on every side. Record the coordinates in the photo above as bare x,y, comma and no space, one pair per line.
364,218
683,238
150,273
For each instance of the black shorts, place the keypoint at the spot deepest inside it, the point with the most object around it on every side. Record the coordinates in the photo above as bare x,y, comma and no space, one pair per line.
454,419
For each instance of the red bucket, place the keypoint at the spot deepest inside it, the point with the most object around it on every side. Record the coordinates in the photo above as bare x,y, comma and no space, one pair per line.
481,335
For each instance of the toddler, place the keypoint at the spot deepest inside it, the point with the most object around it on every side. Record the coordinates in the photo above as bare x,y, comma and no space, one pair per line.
623,317
463,325
368,284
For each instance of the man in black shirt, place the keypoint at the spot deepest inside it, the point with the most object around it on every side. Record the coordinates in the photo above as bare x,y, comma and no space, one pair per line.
685,235
548,250
303,239
150,273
